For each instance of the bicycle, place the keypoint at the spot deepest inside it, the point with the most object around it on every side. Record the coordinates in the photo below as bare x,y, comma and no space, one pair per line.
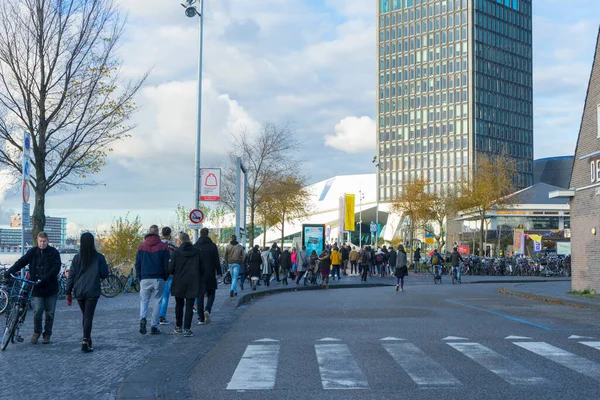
437,273
455,278
111,286
131,282
20,298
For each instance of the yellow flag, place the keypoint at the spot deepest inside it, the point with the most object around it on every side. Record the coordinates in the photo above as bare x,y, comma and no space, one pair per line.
535,238
349,213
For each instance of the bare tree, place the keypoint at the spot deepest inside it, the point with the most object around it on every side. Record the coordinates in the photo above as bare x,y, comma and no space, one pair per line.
60,80
268,157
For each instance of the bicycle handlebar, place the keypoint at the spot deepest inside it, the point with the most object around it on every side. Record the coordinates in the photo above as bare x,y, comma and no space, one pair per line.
26,280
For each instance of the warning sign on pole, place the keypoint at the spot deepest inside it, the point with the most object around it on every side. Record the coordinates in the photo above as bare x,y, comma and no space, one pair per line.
210,184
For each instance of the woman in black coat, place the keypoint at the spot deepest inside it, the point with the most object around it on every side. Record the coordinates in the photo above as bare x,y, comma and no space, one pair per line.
254,260
187,270
88,268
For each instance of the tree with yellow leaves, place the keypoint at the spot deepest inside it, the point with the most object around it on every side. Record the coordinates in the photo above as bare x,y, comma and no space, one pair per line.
488,189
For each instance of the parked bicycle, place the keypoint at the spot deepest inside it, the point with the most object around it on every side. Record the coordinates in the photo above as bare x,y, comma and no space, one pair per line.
20,297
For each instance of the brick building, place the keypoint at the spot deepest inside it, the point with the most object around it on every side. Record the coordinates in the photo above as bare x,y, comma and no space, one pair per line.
585,189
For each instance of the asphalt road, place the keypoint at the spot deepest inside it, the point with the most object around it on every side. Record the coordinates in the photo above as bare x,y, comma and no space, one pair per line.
429,342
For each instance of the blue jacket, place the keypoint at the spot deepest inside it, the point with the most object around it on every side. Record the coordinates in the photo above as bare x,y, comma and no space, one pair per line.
152,259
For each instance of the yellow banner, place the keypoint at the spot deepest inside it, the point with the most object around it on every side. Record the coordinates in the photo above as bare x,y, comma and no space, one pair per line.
536,238
429,240
349,213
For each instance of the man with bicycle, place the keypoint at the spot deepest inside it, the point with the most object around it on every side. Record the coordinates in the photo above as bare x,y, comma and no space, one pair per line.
455,258
44,265
436,261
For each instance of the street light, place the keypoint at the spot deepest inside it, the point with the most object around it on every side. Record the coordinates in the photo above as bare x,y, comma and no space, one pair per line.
361,196
191,11
379,168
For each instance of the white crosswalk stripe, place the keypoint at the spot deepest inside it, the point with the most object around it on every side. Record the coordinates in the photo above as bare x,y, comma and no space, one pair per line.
595,345
257,369
338,367
564,358
423,370
505,368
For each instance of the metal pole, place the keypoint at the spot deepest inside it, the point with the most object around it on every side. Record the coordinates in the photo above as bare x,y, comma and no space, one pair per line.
360,222
237,196
199,117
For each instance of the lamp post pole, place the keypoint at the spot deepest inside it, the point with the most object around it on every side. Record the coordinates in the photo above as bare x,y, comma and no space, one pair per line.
378,168
360,194
191,11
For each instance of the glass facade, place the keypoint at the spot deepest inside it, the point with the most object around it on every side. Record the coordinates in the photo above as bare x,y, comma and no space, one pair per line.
454,80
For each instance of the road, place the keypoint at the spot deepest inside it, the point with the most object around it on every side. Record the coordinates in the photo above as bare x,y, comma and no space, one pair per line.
429,342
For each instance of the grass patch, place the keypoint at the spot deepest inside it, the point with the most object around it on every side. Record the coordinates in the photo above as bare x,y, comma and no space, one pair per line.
588,293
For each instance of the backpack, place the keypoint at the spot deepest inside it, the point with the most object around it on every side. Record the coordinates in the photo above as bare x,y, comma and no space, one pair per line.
435,260
379,258
364,259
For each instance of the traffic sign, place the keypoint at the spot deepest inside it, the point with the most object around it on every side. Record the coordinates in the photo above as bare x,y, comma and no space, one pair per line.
195,226
373,227
210,184
196,216
25,192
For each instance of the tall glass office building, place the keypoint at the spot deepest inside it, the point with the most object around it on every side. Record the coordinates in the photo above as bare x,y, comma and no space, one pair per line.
455,82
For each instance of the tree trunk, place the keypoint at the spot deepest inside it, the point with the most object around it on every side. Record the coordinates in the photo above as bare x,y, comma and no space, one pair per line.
251,233
481,233
39,216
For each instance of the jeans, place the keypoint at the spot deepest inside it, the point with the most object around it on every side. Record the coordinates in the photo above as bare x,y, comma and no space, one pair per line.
87,307
300,275
210,299
43,305
234,269
336,270
165,299
353,267
457,272
364,272
189,312
151,289
242,279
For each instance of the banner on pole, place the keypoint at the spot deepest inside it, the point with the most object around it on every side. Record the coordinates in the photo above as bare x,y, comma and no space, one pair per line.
519,241
349,221
210,184
537,247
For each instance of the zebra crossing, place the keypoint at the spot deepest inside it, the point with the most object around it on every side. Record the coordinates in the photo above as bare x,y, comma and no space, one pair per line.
339,368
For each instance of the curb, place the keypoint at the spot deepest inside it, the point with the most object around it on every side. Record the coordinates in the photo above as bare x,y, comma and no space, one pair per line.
506,281
247,298
549,299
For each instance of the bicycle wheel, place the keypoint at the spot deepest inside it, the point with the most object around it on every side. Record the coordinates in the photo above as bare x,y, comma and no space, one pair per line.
111,286
136,285
3,300
454,280
11,326
227,279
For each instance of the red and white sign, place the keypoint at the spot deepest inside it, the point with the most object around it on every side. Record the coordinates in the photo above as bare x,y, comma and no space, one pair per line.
210,184
25,192
196,216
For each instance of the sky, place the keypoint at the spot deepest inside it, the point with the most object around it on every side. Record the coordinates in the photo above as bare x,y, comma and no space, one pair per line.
307,63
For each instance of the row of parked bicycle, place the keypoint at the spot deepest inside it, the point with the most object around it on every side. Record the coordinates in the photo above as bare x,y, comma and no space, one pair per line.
499,266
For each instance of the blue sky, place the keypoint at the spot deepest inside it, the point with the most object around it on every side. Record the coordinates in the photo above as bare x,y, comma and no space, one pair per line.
310,63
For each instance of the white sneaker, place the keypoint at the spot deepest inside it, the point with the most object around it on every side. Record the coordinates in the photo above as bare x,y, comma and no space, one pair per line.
201,322
402,290
207,317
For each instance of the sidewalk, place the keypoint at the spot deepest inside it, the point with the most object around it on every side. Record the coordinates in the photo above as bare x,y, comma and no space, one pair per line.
552,292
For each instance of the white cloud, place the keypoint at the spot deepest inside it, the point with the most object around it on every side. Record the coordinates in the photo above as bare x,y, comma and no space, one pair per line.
353,135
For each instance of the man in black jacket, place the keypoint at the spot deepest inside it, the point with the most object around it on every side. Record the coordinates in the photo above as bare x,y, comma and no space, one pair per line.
44,265
209,256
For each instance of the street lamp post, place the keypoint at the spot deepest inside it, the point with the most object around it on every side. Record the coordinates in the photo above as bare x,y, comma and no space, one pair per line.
360,198
191,12
378,168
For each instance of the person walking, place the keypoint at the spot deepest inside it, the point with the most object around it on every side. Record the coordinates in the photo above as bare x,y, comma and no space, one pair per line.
417,259
210,259
88,268
345,252
254,261
276,252
44,265
391,260
165,237
187,271
151,266
324,267
268,264
234,255
455,258
365,263
353,257
294,257
285,263
302,263
401,268
336,261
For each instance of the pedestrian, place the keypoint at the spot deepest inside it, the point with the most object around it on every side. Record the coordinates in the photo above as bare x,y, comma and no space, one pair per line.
417,259
455,258
243,270
151,266
209,256
285,263
165,234
234,255
391,259
345,252
324,267
365,263
276,252
88,268
302,264
187,270
254,261
353,256
44,265
336,261
401,268
294,261
268,264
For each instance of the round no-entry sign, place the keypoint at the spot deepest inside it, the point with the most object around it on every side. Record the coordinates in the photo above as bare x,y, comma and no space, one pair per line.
196,216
